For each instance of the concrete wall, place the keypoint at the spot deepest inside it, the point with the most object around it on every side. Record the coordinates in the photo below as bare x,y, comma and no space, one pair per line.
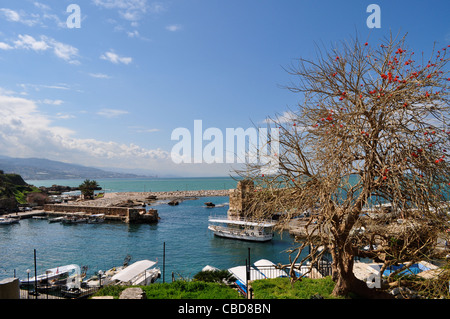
9,288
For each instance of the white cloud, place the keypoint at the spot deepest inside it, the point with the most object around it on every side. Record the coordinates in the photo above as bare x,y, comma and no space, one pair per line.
30,43
174,27
51,102
8,92
26,132
5,46
111,113
131,10
59,23
112,57
157,7
142,129
39,87
41,6
34,19
10,15
64,116
14,16
286,117
133,34
61,50
99,75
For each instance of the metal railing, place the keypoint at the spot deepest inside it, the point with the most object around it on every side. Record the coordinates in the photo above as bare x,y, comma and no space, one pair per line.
56,293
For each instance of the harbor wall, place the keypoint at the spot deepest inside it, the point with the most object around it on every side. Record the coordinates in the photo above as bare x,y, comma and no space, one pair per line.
117,211
125,214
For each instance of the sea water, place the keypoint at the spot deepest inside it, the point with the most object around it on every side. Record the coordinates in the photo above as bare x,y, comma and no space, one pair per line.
180,240
148,185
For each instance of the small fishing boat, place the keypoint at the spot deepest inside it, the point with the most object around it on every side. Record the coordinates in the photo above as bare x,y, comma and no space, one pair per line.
96,218
56,219
55,277
39,217
8,221
241,229
103,278
75,218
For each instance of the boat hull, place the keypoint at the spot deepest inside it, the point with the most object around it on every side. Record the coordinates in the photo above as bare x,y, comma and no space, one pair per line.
8,221
241,236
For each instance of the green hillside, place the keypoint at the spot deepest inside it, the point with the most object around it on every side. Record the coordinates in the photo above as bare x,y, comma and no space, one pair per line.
13,190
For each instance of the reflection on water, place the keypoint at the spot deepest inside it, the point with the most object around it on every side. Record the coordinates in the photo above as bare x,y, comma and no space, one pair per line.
184,229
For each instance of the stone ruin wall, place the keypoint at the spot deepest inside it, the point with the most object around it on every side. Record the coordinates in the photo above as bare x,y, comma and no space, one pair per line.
239,199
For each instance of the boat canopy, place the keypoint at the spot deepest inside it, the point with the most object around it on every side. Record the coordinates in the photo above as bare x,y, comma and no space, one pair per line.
63,269
241,222
210,268
268,269
240,273
133,270
52,272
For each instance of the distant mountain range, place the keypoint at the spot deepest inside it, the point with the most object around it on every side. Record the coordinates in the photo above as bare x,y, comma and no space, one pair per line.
40,169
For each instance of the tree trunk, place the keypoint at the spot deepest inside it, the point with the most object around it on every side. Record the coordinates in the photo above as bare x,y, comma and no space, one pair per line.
346,281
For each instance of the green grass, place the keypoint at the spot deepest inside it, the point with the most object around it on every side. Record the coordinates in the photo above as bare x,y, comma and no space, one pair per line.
178,290
281,288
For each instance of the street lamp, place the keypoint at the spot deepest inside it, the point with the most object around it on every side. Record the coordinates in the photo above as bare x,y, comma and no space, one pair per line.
28,283
100,273
47,272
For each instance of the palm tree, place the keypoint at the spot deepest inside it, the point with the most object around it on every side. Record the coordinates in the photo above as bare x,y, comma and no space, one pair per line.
88,187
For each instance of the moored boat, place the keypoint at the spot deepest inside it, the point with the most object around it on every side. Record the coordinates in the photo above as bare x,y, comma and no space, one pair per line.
8,221
56,219
96,218
75,218
241,229
39,217
140,273
55,277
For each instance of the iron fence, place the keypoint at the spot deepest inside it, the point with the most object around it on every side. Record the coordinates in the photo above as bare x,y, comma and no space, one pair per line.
56,293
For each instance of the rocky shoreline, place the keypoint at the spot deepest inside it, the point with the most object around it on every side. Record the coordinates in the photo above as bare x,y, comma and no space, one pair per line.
122,198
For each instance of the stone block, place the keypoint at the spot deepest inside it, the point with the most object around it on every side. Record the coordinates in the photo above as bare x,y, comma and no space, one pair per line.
133,293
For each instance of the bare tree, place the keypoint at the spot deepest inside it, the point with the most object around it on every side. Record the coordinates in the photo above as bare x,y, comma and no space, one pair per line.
369,133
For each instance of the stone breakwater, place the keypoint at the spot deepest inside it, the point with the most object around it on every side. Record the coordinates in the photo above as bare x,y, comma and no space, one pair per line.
116,199
124,205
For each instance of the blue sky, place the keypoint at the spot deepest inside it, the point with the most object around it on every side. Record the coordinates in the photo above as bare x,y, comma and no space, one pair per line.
110,93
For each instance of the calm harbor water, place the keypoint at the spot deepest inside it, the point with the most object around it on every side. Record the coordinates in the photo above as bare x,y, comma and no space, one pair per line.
189,245
148,185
